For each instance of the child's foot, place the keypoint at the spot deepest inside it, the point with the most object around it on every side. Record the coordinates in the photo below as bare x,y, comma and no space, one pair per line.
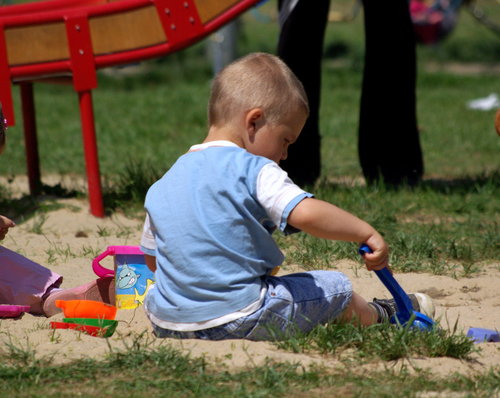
421,303
102,289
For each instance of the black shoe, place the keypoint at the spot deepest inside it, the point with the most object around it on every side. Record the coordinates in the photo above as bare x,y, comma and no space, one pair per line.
421,303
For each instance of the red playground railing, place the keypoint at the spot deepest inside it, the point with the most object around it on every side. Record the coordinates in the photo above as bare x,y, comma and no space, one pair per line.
71,39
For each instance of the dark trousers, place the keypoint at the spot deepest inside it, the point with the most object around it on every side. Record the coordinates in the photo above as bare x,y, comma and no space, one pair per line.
388,140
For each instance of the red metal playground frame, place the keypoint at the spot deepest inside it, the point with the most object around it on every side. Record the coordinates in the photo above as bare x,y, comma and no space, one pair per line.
180,22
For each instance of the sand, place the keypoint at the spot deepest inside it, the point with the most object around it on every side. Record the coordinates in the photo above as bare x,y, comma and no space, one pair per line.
68,238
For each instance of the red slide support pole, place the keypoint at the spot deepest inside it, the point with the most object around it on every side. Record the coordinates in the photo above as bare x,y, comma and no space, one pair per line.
91,155
84,80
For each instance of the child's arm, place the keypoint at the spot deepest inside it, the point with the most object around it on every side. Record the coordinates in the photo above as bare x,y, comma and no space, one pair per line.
324,220
5,224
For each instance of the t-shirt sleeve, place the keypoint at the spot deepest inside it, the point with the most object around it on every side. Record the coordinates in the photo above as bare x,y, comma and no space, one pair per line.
148,244
277,193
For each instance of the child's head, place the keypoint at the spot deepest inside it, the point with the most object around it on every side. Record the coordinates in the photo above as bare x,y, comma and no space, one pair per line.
257,80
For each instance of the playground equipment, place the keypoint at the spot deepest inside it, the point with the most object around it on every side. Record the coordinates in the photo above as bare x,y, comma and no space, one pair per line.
68,40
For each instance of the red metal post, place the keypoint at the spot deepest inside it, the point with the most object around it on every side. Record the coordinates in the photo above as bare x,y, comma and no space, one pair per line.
5,84
90,151
84,80
30,137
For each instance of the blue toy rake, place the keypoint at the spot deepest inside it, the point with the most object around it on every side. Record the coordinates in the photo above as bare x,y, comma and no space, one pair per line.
405,312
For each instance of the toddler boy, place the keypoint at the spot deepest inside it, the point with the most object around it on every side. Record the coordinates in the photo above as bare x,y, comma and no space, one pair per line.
210,219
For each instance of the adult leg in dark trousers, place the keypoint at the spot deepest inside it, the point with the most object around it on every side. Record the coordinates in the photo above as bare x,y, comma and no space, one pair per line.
389,144
389,147
301,47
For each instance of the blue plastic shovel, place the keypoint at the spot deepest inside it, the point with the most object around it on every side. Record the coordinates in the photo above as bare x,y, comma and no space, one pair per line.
405,312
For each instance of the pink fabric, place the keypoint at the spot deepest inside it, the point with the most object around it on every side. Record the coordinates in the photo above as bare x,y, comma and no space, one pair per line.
418,6
433,20
24,282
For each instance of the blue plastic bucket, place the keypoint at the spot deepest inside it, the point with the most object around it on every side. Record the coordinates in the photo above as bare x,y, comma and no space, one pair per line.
132,275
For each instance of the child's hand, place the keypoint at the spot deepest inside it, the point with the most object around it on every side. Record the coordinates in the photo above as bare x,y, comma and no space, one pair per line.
379,258
5,224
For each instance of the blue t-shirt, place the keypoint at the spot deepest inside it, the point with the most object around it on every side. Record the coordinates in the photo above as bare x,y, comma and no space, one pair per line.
213,236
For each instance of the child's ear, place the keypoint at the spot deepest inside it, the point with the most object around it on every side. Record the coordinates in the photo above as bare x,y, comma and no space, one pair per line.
254,119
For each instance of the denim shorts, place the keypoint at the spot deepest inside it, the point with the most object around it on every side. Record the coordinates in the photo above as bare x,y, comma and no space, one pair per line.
293,303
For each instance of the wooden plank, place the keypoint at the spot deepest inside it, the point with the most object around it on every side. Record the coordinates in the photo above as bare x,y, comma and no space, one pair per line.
127,30
124,31
209,9
37,43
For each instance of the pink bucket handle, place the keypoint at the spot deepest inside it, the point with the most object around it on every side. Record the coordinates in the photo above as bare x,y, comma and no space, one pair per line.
99,270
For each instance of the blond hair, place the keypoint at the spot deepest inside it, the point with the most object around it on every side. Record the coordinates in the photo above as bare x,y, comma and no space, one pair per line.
258,80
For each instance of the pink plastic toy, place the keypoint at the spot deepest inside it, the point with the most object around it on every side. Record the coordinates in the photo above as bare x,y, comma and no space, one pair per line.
122,256
13,311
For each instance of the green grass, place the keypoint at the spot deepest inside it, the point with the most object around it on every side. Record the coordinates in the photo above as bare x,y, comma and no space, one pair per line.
382,341
159,121
165,371
154,115
442,226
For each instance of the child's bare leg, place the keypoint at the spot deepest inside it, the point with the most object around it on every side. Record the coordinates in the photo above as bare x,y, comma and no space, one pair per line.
359,311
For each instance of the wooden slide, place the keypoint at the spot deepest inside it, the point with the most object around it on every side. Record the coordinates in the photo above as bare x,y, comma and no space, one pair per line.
71,39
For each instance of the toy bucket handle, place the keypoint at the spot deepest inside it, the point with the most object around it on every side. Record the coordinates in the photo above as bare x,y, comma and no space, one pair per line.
99,270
